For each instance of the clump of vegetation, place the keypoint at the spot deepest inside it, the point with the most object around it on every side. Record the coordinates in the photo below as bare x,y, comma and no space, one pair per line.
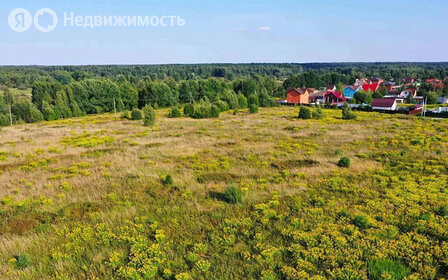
233,195
215,111
136,114
344,162
253,109
203,111
126,115
149,115
381,269
304,113
174,113
361,222
167,181
189,110
347,113
222,106
22,261
318,114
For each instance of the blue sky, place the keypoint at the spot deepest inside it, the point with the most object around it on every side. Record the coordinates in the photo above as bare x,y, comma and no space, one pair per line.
234,31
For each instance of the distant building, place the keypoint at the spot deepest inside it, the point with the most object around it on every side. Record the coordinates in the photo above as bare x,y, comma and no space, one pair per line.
298,96
334,98
349,91
317,97
384,104
331,88
371,87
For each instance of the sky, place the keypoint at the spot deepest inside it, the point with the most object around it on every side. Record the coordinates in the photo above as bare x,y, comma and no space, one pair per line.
242,31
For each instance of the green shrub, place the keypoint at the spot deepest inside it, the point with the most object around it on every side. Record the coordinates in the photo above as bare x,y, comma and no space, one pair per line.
175,113
22,261
442,211
344,162
214,111
48,112
202,112
305,113
361,222
149,115
347,113
136,114
222,105
377,269
189,110
167,181
253,99
242,101
253,109
126,115
318,114
233,195
235,112
4,120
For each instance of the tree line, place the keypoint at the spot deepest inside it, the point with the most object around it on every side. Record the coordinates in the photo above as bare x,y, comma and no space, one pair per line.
52,100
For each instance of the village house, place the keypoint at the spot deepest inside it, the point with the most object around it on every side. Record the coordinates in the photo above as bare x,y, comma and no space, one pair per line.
334,98
317,97
370,87
298,96
349,91
331,88
384,104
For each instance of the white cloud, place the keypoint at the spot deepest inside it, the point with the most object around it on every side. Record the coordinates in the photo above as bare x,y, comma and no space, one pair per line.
265,28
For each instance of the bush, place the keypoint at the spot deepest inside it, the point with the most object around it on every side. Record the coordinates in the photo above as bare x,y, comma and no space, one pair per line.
167,181
242,101
253,109
214,111
347,113
189,110
378,268
318,114
253,99
222,105
149,115
175,113
22,261
305,113
4,120
202,112
126,115
233,195
136,114
361,222
344,162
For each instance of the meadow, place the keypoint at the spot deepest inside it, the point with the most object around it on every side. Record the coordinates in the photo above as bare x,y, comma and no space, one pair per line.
99,197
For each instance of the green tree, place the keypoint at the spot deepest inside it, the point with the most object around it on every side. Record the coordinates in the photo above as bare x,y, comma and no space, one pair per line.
253,100
347,113
304,113
149,115
242,101
189,110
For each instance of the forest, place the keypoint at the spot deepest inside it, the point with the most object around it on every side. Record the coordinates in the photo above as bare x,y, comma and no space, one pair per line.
70,91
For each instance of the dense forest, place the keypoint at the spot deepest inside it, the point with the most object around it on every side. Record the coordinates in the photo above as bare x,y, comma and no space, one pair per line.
70,91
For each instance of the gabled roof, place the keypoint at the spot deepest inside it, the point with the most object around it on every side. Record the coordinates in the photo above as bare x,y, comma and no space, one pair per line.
383,102
352,87
296,90
372,87
338,94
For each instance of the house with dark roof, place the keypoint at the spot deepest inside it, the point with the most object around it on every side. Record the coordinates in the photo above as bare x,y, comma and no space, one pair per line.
334,98
384,104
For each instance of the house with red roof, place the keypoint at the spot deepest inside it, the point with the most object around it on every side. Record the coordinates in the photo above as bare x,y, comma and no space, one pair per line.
298,96
334,98
384,104
371,87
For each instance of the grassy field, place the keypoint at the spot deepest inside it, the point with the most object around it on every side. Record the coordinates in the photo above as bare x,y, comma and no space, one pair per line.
91,198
